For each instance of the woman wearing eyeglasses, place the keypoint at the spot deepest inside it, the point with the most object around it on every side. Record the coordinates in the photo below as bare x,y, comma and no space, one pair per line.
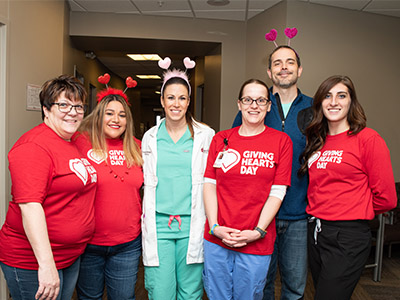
51,217
248,171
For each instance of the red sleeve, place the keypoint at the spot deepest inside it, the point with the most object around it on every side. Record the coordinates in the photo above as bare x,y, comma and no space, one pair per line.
378,168
82,142
31,170
284,165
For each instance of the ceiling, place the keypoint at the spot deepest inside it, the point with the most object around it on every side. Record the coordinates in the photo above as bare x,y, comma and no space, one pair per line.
238,10
112,51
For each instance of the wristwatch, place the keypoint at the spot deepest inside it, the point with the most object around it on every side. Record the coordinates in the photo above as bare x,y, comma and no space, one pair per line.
261,231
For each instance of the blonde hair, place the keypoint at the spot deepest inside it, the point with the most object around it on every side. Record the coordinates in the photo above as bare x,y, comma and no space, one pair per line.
92,125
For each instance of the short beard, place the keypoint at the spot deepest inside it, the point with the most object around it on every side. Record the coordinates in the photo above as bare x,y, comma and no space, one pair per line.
284,85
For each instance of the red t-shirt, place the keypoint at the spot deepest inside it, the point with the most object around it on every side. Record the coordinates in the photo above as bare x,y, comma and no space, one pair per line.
252,164
118,206
351,178
49,170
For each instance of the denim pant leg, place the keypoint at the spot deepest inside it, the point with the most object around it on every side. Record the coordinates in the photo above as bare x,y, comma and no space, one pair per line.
121,270
90,284
68,279
269,289
291,255
292,260
23,284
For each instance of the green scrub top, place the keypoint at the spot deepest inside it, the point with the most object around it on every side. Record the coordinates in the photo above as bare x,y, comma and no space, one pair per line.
174,188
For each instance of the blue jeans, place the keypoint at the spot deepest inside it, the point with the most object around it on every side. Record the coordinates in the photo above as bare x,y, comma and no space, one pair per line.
23,284
232,275
115,267
290,254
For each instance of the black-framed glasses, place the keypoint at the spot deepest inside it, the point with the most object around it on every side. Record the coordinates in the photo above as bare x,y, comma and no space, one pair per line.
260,101
66,108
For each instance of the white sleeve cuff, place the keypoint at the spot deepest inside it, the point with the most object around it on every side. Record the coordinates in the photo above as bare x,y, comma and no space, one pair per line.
278,191
209,180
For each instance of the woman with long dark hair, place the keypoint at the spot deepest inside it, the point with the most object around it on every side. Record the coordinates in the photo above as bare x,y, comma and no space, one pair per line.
174,153
351,180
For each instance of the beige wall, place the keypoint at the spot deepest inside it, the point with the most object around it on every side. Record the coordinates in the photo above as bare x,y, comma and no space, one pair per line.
361,45
333,41
35,55
212,87
258,48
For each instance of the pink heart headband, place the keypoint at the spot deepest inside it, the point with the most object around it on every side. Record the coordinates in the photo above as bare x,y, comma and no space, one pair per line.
166,63
289,32
105,79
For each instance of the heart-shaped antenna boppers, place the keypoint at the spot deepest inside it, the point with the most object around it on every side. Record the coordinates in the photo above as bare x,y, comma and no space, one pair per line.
104,79
130,83
164,63
189,64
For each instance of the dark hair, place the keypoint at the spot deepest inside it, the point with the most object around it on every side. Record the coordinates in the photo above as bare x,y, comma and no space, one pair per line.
283,47
317,130
249,81
52,89
188,115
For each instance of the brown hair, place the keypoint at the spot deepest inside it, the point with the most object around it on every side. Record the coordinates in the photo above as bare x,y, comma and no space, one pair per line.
52,89
252,80
317,130
283,47
92,125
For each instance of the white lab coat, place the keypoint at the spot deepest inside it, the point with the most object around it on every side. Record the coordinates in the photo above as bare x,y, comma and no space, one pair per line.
201,143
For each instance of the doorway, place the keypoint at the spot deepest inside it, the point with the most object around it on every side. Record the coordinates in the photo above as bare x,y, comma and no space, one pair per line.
3,141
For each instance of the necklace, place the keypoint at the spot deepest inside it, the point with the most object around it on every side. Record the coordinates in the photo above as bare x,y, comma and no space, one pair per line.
116,175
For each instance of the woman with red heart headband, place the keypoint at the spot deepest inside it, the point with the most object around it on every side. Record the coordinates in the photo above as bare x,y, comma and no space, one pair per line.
351,181
111,259
174,154
248,171
50,218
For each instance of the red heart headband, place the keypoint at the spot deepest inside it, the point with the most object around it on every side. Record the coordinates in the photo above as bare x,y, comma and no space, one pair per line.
166,63
289,32
105,79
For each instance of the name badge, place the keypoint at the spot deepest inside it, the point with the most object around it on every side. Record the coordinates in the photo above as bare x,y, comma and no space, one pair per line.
219,160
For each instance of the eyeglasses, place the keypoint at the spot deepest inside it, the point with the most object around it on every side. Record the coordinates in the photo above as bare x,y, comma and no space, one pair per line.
260,101
66,108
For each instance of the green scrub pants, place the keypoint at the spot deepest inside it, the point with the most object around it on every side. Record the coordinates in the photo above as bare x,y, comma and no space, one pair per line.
173,278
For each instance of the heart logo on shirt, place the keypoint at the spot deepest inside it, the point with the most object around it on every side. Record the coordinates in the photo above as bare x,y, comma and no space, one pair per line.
77,166
230,159
313,158
98,159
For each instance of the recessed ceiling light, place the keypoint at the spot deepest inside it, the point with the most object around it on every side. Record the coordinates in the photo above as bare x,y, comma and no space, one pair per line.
218,2
148,76
144,56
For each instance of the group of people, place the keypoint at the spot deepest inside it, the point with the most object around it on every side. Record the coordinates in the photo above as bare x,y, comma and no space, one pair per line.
291,185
